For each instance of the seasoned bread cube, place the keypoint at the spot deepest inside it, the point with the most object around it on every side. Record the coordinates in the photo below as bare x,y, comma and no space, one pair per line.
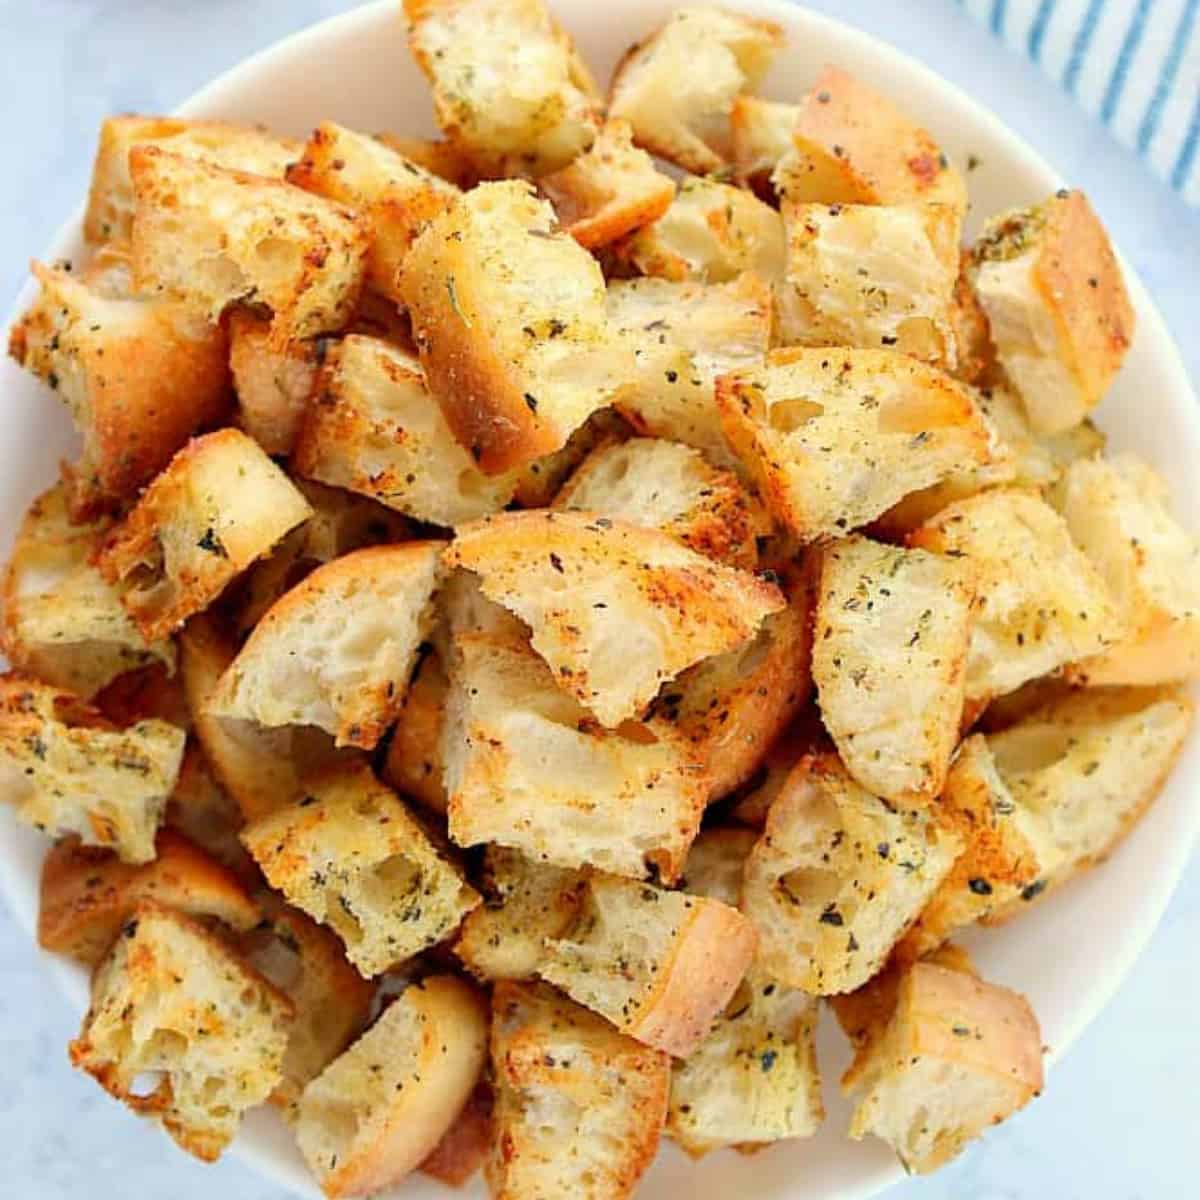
677,86
669,486
837,877
173,1000
138,374
890,640
760,135
439,157
397,197
379,1109
957,1056
351,856
1052,609
615,609
579,1106
527,902
87,893
219,505
526,767
212,237
1119,515
62,622
109,216
374,428
538,482
338,649
509,318
833,438
65,769
609,191
414,765
206,814
1054,295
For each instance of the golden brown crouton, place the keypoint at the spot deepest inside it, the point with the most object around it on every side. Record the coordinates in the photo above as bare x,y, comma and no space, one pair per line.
441,158
538,482
760,135
414,765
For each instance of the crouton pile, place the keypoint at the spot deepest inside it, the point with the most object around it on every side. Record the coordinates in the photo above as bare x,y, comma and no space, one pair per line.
528,629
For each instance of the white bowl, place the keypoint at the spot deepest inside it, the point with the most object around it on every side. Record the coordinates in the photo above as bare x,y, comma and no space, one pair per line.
1069,954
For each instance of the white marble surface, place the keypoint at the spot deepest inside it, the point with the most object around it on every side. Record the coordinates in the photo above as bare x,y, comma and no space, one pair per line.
1121,1115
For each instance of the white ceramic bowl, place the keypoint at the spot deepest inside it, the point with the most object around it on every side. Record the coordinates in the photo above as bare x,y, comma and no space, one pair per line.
1067,955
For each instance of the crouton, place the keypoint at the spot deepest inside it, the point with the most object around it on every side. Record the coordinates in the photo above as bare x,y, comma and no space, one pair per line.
109,216
338,649
712,233
508,315
1055,610
527,902
351,856
538,482
414,765
509,89
958,1056
87,893
62,622
833,438
139,376
672,487
677,86
212,237
221,504
527,768
65,769
579,1106
890,641
1060,316
974,356
615,609
837,877
171,999
1117,515
464,1147
760,135
439,157
379,1109
466,610
206,814
374,428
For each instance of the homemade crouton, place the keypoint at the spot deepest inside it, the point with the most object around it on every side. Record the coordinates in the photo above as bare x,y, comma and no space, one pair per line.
414,765
221,504
439,157
579,1106
174,1001
760,135
538,482
1060,316
65,769
378,1110
351,856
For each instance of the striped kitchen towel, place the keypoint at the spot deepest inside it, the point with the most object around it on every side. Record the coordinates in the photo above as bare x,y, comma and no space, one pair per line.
1135,64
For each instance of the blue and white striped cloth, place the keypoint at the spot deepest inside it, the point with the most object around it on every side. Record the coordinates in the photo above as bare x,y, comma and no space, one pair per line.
1134,64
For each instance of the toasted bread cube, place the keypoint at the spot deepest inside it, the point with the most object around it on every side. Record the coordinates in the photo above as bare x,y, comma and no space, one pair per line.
677,86
957,1056
212,237
587,584
380,1108
439,157
338,649
464,1147
837,877
351,856
672,487
835,437
87,893
374,428
712,233
397,197
221,504
509,318
65,769
139,376
610,190
1060,316
538,482
870,275
1041,603
62,622
172,999
109,216
1118,516
760,135
331,999
207,815
890,641
579,1106
527,902
414,765
853,146
466,611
